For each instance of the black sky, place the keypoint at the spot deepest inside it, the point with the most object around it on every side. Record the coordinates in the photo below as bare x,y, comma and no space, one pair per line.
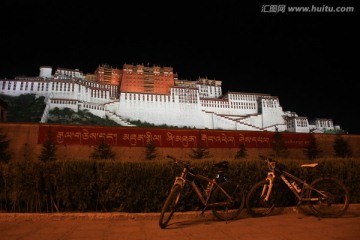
308,60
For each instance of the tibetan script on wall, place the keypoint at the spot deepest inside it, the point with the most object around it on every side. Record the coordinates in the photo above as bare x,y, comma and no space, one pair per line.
178,138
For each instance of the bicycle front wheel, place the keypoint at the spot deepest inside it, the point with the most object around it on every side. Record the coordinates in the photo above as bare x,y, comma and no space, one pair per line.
256,204
170,206
328,196
228,209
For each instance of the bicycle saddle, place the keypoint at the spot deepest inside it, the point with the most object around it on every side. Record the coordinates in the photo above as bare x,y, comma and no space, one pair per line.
310,165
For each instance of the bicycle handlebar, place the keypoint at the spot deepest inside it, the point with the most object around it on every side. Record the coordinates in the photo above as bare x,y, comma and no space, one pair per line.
221,166
179,162
272,164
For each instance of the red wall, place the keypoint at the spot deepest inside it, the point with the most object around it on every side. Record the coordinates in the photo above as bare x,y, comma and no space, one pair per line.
77,142
174,138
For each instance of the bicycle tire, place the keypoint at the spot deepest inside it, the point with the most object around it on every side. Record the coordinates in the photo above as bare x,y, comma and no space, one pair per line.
232,211
170,206
336,201
256,205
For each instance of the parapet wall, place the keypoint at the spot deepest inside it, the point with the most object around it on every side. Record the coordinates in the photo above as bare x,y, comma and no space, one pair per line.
76,142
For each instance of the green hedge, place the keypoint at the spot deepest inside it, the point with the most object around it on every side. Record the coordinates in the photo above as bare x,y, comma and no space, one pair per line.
108,186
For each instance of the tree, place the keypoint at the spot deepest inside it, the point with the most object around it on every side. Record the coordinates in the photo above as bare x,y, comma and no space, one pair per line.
312,150
102,151
242,152
5,154
150,151
341,147
48,151
199,153
24,108
278,145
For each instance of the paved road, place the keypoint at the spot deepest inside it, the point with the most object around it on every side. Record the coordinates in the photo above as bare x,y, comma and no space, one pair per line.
283,226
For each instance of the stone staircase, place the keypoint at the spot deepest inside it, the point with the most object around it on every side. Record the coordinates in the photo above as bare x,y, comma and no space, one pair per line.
110,109
239,121
116,118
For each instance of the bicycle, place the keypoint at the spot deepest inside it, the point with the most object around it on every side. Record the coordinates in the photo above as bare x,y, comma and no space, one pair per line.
326,196
224,197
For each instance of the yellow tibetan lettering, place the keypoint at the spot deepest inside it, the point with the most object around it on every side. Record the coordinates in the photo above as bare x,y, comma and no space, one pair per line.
85,134
241,138
170,138
60,137
223,138
132,139
157,138
78,136
184,141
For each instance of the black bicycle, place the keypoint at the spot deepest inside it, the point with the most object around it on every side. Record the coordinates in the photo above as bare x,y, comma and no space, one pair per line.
224,197
326,196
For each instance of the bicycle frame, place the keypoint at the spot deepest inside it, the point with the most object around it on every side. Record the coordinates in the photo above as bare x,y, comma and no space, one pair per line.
285,177
326,196
223,196
212,185
203,195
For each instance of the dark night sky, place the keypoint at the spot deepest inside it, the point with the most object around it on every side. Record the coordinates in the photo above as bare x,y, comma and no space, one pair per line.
306,59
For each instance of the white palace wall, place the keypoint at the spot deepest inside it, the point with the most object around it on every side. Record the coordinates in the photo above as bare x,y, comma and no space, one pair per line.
182,107
272,112
160,109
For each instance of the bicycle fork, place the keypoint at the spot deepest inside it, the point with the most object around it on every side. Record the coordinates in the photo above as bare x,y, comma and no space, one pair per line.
266,191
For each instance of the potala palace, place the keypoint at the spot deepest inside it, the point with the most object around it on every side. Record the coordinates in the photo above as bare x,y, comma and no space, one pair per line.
156,95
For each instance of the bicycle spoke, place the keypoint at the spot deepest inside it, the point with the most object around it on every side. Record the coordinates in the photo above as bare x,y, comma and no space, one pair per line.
231,210
331,198
257,205
170,206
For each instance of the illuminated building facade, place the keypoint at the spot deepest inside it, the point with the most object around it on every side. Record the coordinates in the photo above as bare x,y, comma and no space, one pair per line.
156,95
107,74
141,79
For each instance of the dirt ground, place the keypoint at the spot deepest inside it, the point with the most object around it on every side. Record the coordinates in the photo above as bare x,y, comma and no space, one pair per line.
286,225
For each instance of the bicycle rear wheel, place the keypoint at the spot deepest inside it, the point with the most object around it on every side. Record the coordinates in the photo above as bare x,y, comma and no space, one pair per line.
170,206
256,204
333,197
232,210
